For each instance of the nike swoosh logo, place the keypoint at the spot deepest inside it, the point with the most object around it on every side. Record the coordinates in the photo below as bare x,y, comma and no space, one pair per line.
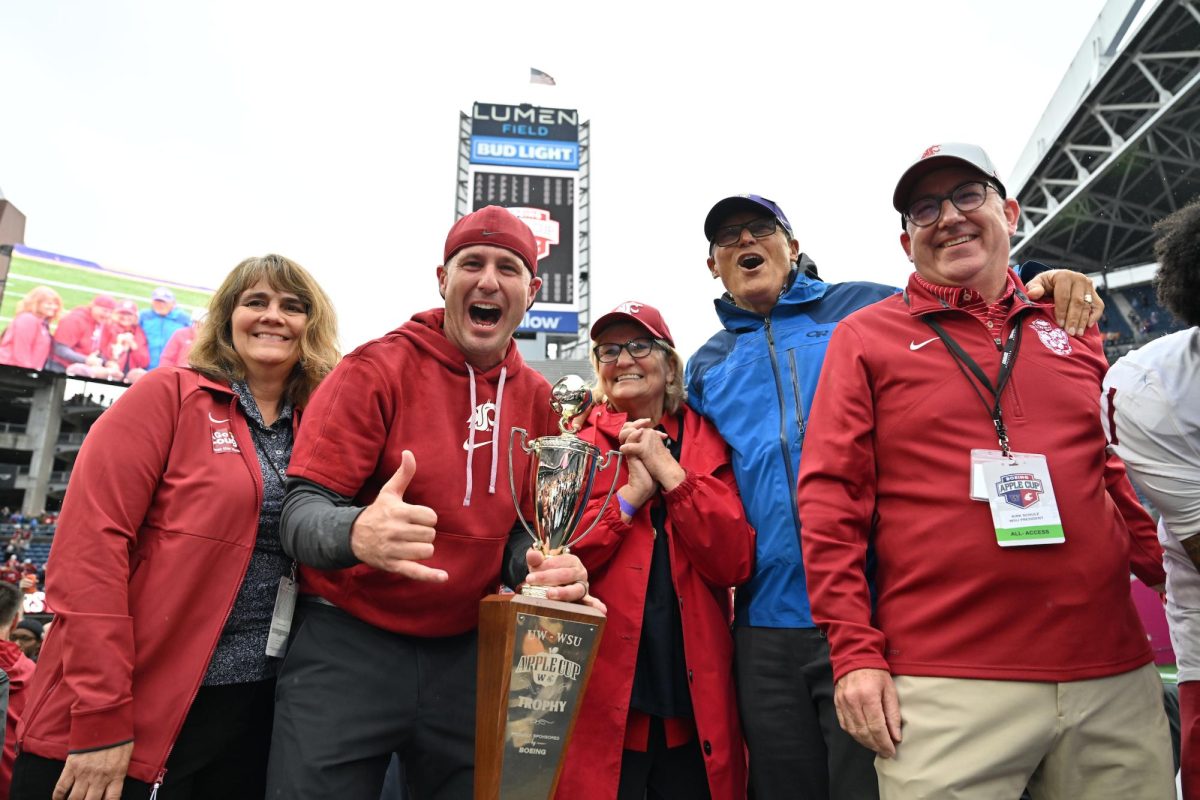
211,418
915,346
475,445
490,233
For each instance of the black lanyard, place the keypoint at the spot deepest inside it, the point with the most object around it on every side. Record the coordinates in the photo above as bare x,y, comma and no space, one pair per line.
264,448
1007,359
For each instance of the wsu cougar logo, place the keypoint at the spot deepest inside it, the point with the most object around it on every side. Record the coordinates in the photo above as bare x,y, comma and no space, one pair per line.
482,419
1054,337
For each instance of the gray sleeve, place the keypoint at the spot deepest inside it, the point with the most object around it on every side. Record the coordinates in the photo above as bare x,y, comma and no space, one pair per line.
315,523
67,354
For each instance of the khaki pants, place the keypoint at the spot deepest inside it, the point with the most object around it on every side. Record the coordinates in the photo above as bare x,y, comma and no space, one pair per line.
987,740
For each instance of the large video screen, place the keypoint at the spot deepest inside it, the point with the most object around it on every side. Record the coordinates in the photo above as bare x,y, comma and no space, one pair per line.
66,315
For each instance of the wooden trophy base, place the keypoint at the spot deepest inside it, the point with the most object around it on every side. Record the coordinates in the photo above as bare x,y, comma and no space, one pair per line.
535,656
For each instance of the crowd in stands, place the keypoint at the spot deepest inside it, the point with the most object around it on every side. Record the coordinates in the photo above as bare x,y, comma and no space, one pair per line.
25,561
20,636
1144,321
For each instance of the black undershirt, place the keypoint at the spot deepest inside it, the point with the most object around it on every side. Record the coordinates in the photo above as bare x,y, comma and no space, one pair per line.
660,686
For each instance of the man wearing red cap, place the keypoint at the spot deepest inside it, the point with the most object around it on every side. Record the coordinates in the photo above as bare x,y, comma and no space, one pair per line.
77,337
955,434
399,515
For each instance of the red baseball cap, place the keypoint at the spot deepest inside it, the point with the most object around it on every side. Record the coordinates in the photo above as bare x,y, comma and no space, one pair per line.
495,226
104,301
643,314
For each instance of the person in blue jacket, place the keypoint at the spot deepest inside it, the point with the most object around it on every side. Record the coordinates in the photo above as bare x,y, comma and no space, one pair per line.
161,320
755,381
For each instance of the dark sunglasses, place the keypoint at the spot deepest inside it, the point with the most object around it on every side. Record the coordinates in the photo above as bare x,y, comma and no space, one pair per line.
759,229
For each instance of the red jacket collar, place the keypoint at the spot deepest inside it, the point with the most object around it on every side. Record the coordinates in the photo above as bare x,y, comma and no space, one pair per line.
205,382
225,390
609,422
606,420
921,302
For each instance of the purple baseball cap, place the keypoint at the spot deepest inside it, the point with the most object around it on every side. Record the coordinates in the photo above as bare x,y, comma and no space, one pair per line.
743,202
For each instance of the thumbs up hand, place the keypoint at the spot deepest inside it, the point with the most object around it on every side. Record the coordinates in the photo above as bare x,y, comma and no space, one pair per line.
393,535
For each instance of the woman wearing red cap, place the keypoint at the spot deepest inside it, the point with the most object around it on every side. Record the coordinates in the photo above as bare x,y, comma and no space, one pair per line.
660,716
123,344
26,342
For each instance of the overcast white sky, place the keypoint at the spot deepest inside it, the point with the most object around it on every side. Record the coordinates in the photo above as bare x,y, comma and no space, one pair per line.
175,139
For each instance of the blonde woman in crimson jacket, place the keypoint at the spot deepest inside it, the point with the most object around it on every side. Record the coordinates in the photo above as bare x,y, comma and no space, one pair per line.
659,718
166,560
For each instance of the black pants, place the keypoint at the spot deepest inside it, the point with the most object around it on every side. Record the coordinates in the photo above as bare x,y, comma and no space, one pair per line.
663,773
350,694
221,751
797,748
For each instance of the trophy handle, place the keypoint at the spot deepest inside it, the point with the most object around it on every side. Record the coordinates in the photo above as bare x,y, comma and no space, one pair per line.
512,485
603,465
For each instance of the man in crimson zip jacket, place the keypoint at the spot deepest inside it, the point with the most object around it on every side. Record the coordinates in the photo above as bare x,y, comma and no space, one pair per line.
955,430
399,513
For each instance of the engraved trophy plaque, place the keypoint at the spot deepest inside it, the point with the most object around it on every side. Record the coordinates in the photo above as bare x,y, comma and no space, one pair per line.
535,654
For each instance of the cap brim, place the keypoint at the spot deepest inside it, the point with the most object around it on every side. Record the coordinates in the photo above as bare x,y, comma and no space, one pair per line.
727,207
913,175
617,316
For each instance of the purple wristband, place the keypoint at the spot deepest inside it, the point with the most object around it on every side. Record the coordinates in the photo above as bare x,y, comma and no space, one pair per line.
626,506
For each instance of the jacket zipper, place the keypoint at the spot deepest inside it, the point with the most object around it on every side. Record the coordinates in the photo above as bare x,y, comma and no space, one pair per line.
1016,316
256,474
783,443
799,398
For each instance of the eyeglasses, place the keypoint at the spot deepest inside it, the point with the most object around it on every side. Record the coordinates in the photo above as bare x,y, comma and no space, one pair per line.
759,229
924,211
637,348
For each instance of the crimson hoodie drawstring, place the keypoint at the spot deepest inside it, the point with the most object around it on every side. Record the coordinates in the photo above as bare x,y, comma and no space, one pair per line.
496,428
495,434
470,436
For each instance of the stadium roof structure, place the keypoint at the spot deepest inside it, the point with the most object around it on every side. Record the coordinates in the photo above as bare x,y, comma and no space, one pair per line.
1118,148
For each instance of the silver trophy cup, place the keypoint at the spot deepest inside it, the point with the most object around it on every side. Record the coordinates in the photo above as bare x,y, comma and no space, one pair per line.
562,470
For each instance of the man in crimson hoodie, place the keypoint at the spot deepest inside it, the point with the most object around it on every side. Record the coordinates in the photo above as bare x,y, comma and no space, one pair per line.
77,337
19,669
399,512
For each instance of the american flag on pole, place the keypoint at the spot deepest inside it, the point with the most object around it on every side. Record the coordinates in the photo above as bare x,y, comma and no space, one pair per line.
537,76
